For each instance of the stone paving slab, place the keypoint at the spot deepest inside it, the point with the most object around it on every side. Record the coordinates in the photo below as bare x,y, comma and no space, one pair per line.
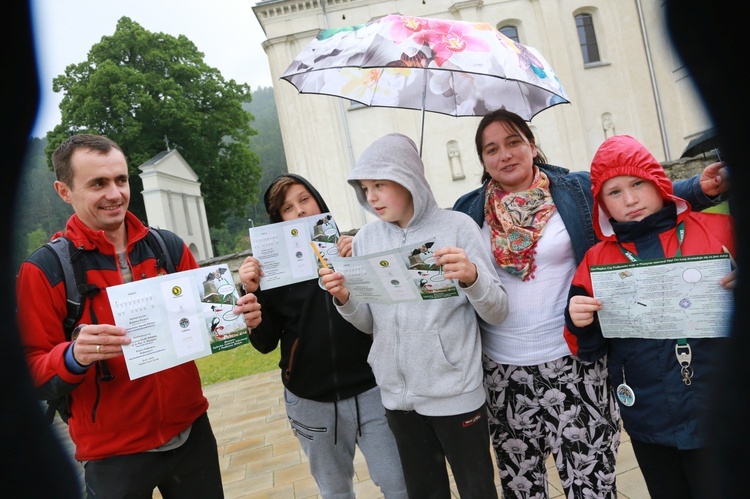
261,459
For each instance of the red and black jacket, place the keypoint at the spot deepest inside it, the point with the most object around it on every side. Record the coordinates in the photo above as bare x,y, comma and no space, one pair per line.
113,417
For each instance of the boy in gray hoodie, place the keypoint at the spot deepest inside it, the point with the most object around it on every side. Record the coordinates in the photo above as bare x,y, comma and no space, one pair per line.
426,356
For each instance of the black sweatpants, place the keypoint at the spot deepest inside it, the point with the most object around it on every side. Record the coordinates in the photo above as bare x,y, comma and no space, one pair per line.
671,473
424,443
191,470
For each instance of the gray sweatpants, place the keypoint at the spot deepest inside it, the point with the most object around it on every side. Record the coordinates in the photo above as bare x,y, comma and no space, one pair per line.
328,433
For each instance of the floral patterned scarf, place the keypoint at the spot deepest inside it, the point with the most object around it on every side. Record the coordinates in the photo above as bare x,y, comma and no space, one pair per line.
516,221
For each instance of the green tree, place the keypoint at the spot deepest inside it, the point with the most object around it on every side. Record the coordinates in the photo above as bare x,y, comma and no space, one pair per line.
268,145
143,89
234,237
35,239
39,210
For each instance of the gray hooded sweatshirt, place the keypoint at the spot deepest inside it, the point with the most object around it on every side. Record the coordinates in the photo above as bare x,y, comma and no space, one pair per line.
426,355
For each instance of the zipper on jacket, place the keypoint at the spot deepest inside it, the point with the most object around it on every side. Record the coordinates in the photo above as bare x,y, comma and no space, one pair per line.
398,340
98,393
334,355
397,335
288,370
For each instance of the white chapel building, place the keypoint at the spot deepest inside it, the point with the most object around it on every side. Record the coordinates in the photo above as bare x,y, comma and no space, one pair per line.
172,195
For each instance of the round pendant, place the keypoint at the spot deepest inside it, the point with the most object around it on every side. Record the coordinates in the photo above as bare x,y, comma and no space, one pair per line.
625,395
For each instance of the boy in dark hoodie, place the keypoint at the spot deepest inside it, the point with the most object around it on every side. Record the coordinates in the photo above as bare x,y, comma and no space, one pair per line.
332,401
661,390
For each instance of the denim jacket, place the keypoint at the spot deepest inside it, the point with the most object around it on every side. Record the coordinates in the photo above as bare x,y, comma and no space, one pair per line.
571,192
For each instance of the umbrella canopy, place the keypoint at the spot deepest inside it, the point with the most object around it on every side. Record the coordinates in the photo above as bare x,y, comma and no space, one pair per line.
455,68
707,141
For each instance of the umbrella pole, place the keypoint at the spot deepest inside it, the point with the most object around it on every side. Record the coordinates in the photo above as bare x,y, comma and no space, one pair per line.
421,134
424,99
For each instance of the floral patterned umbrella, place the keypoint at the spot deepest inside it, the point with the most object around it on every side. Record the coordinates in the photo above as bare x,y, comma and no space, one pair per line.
456,68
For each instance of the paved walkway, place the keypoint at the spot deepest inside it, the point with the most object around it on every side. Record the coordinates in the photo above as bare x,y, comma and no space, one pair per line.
260,457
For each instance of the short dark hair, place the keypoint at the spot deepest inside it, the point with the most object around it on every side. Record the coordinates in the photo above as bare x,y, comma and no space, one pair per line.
510,121
277,194
63,153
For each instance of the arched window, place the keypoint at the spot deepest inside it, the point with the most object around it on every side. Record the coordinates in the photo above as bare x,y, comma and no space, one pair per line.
510,31
587,37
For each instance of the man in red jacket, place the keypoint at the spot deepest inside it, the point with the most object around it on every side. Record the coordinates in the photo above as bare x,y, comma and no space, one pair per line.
131,436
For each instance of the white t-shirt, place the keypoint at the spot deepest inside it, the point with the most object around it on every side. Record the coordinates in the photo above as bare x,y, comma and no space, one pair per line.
533,332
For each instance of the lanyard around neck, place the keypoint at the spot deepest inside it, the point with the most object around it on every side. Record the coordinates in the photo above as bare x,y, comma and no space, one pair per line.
683,352
680,237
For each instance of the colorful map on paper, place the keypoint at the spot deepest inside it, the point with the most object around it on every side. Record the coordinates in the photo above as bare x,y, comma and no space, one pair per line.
666,298
400,275
284,252
175,318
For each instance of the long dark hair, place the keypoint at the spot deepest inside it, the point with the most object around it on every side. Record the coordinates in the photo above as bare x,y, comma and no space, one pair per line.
511,121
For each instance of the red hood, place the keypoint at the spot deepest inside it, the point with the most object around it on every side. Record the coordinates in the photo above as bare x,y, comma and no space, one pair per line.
624,155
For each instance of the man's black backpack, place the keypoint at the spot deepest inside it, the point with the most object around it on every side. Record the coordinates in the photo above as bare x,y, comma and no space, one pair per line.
77,290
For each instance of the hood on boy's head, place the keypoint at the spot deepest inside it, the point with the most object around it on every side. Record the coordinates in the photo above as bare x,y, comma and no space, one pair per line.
624,155
274,217
393,157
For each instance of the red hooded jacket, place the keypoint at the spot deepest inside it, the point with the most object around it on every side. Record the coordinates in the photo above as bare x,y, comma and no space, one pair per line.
666,411
114,417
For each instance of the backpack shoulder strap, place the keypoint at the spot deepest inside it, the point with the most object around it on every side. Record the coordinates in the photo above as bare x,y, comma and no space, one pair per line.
74,276
159,248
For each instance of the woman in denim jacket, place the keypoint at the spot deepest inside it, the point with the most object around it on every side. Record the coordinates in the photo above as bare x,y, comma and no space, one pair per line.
536,219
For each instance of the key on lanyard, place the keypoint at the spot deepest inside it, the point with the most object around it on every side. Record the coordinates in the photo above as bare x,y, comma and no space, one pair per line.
684,356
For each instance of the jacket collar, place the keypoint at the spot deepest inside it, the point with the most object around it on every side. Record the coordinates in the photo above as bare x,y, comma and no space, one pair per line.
83,236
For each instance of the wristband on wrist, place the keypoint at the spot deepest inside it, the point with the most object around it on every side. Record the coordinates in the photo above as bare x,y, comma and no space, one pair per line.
72,354
73,337
77,331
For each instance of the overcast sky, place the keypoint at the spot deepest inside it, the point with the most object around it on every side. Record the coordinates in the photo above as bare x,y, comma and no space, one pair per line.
226,31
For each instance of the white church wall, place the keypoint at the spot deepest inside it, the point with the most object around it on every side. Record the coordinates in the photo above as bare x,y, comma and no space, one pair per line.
626,93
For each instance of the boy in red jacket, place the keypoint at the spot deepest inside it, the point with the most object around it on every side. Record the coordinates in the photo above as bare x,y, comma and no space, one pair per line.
661,371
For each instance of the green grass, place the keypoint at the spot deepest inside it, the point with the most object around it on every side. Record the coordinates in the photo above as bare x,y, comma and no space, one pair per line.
236,363
719,208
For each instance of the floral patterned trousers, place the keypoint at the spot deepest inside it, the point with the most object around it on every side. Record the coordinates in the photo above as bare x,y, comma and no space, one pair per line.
564,407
